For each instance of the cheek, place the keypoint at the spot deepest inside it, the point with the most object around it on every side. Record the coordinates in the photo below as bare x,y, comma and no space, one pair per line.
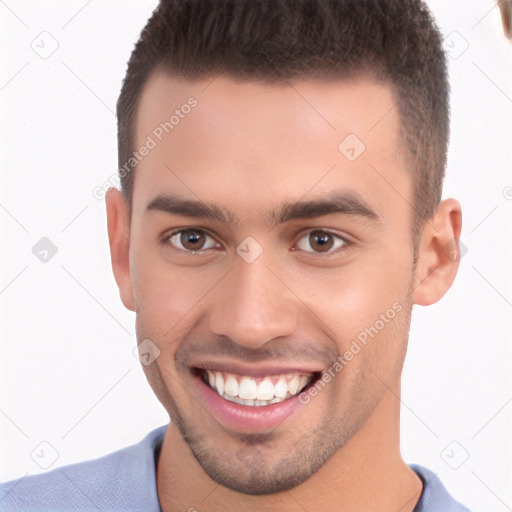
352,298
365,307
164,294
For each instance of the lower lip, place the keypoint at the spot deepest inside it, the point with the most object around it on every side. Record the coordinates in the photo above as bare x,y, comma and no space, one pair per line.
245,418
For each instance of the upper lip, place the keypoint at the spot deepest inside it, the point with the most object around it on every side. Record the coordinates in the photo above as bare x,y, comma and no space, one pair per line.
255,369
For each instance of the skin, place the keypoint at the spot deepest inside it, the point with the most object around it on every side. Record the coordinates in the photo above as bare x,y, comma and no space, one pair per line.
252,147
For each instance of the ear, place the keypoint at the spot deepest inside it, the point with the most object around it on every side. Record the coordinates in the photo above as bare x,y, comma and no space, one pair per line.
118,225
438,253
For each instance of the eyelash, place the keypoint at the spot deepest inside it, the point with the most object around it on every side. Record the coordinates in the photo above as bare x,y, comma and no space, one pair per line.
165,242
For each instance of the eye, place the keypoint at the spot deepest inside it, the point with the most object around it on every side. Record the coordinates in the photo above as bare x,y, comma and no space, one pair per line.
320,241
191,240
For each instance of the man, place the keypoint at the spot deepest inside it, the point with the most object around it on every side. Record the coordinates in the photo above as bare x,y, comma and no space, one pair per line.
281,166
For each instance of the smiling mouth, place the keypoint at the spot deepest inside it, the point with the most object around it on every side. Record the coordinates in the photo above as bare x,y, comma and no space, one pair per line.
257,391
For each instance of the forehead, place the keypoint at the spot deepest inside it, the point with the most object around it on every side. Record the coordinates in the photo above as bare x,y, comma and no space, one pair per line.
254,143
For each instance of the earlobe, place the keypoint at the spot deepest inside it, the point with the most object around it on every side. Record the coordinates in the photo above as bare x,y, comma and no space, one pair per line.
118,226
438,253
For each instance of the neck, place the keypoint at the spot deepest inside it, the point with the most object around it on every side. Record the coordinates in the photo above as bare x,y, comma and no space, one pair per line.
366,474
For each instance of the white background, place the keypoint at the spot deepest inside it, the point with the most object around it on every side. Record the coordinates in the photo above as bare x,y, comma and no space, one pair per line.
69,377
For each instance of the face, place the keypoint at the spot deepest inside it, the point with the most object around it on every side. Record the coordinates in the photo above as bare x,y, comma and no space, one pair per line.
270,267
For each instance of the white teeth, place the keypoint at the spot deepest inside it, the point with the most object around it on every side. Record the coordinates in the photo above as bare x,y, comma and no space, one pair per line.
219,383
231,385
247,389
281,388
304,380
256,391
293,385
265,390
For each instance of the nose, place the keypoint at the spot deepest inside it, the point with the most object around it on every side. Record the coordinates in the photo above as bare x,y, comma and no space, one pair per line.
254,306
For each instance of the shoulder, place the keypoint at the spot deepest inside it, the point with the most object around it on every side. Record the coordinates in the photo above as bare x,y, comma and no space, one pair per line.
435,497
121,480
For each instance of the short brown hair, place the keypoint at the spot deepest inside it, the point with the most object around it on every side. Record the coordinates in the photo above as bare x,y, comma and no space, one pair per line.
393,41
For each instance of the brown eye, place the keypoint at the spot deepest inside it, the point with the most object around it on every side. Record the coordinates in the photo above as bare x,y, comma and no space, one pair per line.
320,241
192,240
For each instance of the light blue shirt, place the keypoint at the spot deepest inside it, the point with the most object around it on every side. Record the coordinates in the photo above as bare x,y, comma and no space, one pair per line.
125,480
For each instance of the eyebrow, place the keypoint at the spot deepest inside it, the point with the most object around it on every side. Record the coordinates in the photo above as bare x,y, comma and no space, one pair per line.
340,202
